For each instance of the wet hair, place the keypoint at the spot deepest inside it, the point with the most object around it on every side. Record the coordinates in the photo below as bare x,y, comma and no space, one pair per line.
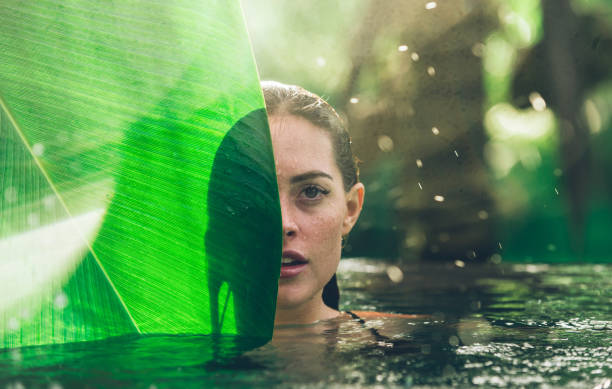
282,99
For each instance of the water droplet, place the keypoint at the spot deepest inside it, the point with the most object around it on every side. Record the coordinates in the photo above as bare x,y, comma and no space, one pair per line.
439,198
414,56
435,130
431,71
419,163
551,247
321,62
478,49
593,116
453,341
61,301
483,215
414,239
16,355
496,258
34,220
230,210
49,202
402,48
459,263
13,324
38,149
395,274
385,143
55,385
558,172
10,194
537,102
431,5
16,385
354,100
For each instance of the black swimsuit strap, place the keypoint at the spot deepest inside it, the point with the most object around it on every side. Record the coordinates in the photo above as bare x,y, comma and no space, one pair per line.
356,317
374,331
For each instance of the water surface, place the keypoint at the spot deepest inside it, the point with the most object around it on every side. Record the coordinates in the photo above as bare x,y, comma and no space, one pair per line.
540,326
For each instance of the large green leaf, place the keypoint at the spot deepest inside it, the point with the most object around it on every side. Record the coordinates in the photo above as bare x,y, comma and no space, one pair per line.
137,187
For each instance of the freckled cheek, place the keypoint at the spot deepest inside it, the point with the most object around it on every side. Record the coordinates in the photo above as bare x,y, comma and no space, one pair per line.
327,230
325,247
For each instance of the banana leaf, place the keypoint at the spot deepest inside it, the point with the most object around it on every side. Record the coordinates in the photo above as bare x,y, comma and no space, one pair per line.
137,185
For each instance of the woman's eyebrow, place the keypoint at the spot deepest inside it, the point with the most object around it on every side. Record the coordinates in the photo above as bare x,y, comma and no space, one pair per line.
309,175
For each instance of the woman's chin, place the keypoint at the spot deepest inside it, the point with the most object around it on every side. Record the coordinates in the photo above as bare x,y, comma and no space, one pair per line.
289,302
291,296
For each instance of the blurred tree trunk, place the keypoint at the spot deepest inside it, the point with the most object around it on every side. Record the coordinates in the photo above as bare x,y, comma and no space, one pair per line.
567,94
435,81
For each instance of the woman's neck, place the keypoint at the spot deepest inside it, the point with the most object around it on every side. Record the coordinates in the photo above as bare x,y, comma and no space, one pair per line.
306,313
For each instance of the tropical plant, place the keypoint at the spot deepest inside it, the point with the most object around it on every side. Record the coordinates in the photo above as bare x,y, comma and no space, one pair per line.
137,183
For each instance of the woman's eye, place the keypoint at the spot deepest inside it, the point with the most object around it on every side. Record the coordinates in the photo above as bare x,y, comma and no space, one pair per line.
313,192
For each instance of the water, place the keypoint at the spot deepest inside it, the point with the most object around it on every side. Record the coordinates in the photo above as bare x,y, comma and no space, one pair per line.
541,326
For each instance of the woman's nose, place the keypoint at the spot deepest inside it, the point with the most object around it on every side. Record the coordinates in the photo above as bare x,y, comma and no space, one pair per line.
290,227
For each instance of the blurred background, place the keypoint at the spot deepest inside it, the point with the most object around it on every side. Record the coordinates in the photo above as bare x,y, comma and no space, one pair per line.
484,127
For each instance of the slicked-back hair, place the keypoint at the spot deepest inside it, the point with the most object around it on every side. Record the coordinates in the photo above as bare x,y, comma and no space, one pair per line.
282,99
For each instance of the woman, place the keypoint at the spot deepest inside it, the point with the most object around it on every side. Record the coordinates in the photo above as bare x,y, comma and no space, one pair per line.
320,196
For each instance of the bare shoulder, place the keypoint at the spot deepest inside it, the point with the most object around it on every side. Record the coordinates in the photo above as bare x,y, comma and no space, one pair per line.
377,315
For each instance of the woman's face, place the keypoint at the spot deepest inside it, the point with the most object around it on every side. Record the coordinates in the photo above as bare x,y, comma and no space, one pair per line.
316,211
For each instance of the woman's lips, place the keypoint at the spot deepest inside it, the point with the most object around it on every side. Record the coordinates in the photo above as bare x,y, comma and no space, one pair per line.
293,263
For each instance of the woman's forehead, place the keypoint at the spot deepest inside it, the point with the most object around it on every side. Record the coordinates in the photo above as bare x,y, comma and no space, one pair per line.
300,146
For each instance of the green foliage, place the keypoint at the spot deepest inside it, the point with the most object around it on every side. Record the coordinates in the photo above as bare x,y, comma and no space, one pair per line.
129,132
